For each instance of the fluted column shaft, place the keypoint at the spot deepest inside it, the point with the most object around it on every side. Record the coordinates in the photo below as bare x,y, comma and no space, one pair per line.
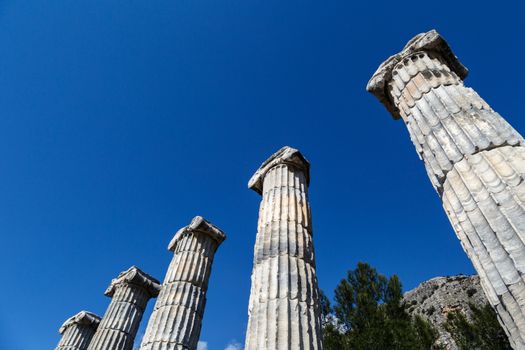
120,324
76,338
177,316
476,162
78,331
283,308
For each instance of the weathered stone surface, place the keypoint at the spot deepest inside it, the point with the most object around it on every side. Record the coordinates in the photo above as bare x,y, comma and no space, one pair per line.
285,155
130,293
284,304
177,316
474,159
77,331
424,42
434,299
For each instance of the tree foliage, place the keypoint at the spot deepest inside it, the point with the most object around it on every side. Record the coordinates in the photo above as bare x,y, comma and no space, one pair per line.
369,315
483,332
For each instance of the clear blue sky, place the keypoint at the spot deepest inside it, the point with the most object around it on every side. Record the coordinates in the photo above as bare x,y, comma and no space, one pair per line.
121,120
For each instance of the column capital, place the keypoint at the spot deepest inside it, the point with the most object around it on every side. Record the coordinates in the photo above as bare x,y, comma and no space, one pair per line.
286,155
135,276
201,225
430,42
82,318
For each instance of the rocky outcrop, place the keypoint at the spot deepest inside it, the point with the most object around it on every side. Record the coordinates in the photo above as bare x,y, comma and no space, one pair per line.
436,298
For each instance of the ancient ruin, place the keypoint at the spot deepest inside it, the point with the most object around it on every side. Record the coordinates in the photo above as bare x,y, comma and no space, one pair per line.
77,331
176,319
474,159
130,292
284,307
476,162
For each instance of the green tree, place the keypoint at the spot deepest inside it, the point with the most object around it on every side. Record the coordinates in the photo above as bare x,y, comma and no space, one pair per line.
324,305
426,334
370,315
483,332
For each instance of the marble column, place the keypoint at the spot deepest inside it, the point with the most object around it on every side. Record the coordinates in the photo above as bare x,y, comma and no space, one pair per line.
130,293
475,161
177,316
284,300
77,331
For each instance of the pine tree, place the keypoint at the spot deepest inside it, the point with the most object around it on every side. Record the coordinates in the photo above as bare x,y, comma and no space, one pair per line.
482,333
370,315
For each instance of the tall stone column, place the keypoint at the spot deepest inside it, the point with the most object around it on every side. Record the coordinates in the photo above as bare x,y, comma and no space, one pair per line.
474,159
77,331
284,301
177,316
130,292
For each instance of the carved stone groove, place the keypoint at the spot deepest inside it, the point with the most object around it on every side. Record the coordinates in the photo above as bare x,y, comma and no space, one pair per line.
77,331
130,293
177,316
475,161
284,305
